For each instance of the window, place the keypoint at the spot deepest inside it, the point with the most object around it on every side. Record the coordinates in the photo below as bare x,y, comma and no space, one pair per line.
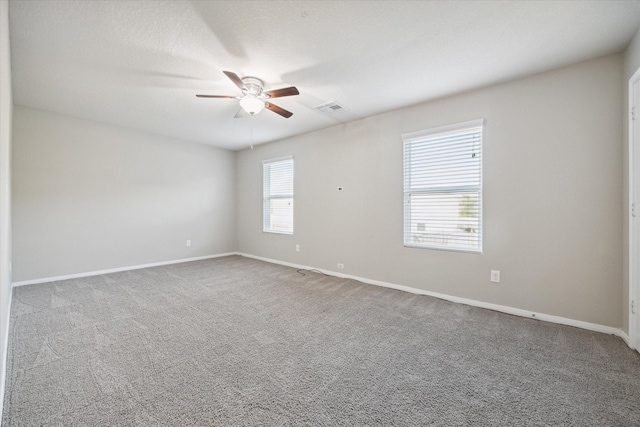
443,187
277,185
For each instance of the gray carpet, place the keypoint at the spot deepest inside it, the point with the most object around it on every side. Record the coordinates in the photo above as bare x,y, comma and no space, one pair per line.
239,342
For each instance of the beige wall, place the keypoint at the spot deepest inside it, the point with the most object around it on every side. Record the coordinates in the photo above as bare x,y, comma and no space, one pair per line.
631,64
89,197
6,106
552,196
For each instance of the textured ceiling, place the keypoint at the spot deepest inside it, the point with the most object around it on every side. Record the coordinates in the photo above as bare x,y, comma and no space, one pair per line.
139,64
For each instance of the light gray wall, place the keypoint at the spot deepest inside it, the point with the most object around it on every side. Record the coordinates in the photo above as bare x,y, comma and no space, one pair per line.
552,196
632,57
631,64
6,107
89,197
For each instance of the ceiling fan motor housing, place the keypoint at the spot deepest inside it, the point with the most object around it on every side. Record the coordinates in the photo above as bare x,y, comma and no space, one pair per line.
253,86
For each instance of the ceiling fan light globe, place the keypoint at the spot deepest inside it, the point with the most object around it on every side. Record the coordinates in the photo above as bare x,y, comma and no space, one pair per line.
252,105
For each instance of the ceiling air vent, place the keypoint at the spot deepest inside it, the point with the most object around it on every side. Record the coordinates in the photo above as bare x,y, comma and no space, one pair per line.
331,107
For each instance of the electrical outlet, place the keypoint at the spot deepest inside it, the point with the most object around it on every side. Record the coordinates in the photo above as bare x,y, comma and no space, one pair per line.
188,243
495,276
297,248
340,265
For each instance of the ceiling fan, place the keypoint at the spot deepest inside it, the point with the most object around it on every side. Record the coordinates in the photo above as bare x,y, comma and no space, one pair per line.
254,98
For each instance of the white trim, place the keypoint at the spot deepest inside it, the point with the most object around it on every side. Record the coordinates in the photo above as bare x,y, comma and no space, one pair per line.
286,233
474,303
634,266
445,248
277,159
6,136
410,136
4,352
502,308
116,270
625,337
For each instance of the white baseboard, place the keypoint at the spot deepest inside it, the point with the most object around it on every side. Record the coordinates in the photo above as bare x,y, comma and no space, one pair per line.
502,308
625,338
116,270
3,352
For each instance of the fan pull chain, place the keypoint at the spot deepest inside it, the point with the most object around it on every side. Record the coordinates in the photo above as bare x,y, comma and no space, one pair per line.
251,131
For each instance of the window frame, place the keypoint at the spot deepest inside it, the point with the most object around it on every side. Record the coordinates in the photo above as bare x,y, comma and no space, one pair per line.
267,197
432,133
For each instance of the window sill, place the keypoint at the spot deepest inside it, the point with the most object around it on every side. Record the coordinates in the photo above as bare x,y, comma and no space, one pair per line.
444,248
278,232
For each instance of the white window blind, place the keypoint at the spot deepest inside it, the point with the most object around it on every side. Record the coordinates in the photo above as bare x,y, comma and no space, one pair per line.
277,184
443,187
